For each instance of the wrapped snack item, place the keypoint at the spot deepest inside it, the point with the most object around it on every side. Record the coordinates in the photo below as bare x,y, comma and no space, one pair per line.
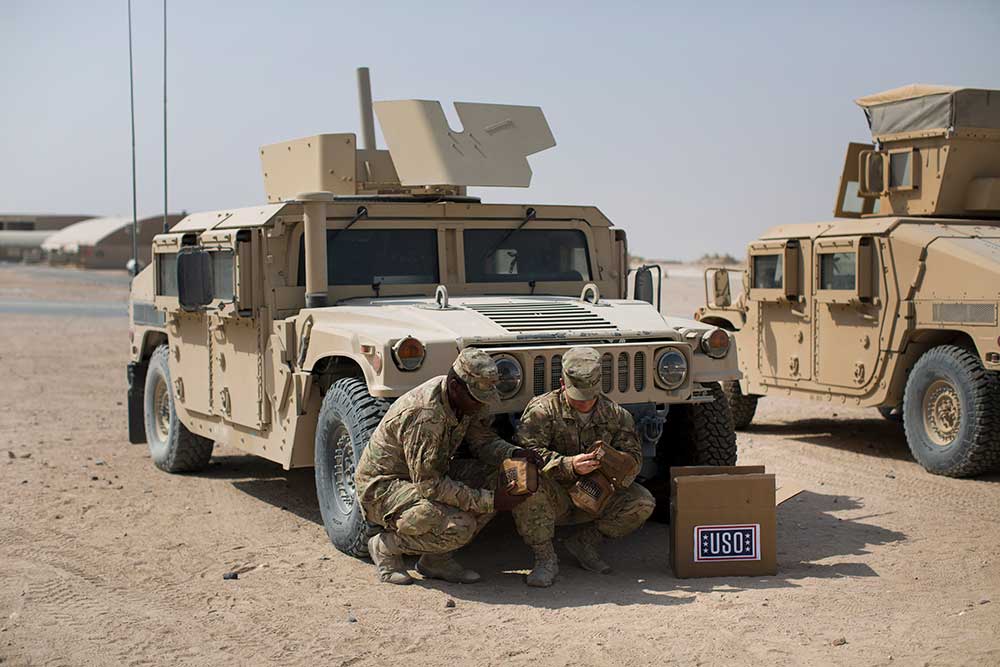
620,468
592,492
523,473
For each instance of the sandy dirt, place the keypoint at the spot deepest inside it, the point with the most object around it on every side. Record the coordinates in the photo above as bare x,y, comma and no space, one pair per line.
104,560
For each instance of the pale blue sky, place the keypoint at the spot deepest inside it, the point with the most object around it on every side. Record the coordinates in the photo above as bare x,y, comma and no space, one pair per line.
693,126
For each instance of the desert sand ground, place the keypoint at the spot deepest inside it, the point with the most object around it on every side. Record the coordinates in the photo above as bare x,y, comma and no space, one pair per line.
104,560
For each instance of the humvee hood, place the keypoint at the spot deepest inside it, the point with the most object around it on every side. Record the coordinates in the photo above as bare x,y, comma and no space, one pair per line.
474,320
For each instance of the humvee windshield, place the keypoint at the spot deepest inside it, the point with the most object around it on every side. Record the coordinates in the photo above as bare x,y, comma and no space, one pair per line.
394,256
410,256
541,255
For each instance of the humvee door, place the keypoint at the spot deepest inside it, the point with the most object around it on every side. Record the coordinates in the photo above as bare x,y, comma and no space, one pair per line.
850,203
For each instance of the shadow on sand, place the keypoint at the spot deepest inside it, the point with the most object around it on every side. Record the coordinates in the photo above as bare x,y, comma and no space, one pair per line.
808,532
876,437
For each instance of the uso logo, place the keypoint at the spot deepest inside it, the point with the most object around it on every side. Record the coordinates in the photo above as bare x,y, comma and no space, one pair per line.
727,543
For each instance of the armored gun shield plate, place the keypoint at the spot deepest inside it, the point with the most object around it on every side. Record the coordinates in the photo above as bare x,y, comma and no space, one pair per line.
491,150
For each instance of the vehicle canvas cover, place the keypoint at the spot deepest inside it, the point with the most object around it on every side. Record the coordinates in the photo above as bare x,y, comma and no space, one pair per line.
919,107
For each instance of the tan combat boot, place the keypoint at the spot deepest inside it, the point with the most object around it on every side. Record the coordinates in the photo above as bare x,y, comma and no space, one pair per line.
584,545
546,566
444,566
388,559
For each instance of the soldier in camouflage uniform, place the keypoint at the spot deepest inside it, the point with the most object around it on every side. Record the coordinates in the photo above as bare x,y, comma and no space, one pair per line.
562,426
409,485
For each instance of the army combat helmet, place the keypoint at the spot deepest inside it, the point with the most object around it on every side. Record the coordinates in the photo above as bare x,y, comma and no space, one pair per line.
479,373
581,373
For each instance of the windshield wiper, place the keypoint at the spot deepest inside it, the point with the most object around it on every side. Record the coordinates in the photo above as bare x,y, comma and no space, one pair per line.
362,213
529,216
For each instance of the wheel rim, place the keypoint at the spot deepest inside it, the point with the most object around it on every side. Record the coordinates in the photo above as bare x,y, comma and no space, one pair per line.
343,470
942,412
161,410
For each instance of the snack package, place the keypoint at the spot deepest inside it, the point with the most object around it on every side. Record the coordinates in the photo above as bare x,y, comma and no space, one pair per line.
619,467
592,492
523,473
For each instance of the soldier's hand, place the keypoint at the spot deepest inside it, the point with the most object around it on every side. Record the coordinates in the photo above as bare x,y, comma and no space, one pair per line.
503,500
584,464
529,454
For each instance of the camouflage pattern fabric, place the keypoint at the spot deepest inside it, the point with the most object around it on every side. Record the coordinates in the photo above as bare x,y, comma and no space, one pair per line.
554,429
407,469
537,517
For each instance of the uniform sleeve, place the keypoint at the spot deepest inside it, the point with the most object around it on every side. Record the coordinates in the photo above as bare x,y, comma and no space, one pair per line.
428,461
535,432
627,440
483,441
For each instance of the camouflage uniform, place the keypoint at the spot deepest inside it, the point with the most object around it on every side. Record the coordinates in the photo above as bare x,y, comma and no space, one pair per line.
408,483
557,431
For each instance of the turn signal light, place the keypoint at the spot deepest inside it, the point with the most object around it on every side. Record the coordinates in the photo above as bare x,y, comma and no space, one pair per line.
408,353
715,343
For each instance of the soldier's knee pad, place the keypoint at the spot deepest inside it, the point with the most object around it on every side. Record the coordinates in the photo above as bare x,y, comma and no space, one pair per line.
460,527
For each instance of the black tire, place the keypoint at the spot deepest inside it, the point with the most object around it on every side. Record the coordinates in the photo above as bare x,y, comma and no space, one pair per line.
347,419
172,446
743,406
695,434
951,413
893,414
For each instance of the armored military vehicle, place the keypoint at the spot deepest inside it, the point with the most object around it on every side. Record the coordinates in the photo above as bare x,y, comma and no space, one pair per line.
894,307
286,330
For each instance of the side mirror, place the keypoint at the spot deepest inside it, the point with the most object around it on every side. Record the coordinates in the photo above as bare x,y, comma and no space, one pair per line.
194,278
644,285
722,296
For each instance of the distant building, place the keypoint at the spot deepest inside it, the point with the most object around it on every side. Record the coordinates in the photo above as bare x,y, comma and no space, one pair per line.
104,243
22,234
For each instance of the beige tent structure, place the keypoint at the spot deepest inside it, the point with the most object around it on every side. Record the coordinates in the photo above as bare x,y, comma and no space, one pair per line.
104,243
22,234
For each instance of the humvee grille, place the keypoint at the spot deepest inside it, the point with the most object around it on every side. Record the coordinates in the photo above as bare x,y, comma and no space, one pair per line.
607,368
626,368
623,372
519,317
538,375
556,370
981,313
640,371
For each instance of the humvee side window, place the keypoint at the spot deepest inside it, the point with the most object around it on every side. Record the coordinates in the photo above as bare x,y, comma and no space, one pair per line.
167,274
837,270
395,256
527,255
767,272
222,275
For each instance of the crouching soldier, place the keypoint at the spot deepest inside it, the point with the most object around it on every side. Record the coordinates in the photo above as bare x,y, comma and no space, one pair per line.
408,484
563,427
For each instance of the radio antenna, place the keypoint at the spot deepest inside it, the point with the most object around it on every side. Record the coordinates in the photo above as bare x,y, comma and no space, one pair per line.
165,229
131,99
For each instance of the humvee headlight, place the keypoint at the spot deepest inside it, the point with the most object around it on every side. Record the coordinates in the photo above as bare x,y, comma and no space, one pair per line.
671,369
511,376
715,343
408,353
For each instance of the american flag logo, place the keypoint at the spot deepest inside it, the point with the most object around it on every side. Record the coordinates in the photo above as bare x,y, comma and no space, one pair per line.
727,542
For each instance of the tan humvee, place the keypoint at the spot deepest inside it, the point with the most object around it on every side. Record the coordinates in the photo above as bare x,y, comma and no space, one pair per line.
286,329
897,307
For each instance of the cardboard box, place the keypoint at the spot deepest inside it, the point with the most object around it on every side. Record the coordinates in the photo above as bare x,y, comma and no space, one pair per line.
722,521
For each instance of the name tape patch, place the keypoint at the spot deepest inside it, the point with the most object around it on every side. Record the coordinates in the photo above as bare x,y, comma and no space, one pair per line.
727,543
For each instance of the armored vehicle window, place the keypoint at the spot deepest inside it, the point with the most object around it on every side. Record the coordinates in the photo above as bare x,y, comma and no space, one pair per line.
837,270
529,254
395,256
901,170
222,275
167,270
767,272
